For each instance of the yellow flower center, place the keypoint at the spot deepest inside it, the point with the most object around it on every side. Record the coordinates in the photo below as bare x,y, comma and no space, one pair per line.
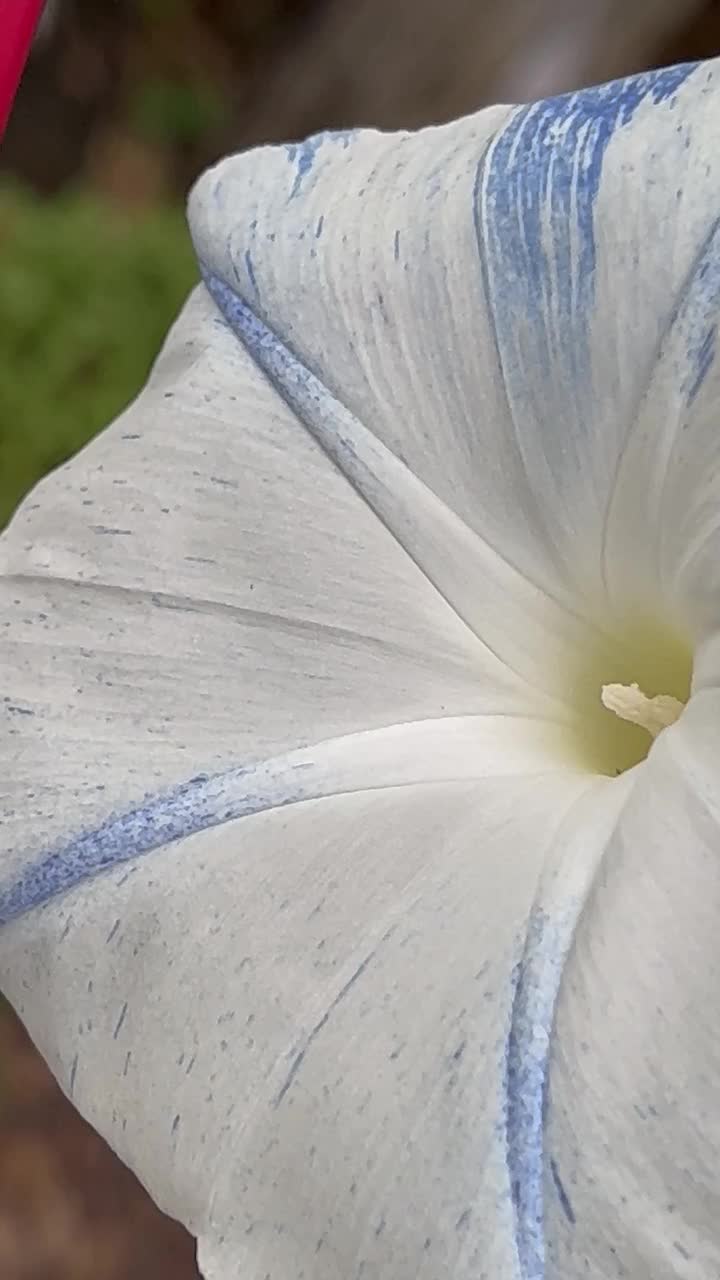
631,685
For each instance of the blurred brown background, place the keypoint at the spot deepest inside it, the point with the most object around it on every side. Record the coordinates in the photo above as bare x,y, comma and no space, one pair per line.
123,102
136,96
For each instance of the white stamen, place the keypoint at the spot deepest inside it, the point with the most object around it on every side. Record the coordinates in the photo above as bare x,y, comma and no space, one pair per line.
630,703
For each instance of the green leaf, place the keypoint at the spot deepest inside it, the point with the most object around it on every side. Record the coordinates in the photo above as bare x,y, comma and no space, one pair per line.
88,295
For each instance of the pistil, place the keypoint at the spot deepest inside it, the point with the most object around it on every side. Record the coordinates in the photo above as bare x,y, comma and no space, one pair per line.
631,704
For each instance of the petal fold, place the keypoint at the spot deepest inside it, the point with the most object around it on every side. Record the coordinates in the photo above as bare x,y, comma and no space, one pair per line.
198,592
306,1030
487,299
632,1130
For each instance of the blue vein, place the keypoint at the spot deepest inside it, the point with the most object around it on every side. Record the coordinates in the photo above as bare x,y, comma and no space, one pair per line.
195,805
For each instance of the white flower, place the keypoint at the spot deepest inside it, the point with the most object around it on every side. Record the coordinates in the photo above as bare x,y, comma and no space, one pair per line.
336,897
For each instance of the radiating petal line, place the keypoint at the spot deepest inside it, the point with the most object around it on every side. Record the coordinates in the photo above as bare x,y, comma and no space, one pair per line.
692,340
423,752
222,608
686,355
513,201
387,484
363,459
562,894
535,193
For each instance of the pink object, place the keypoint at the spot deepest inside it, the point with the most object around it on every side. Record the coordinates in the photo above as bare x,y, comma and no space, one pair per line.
18,19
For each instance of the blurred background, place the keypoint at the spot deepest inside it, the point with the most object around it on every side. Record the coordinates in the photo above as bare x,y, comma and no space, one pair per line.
122,104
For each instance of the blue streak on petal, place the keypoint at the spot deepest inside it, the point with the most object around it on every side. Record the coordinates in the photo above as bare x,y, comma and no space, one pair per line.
563,1196
309,398
303,154
543,952
696,315
536,985
200,803
703,360
535,194
692,331
250,269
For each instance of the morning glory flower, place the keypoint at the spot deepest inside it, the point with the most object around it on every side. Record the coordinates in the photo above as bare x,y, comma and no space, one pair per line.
361,750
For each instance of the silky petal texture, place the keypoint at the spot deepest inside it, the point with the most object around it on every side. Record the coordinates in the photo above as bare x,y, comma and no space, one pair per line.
201,592
319,1034
669,473
300,897
362,342
488,300
633,1128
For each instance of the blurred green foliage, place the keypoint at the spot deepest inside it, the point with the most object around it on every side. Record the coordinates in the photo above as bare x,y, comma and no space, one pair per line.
172,113
87,295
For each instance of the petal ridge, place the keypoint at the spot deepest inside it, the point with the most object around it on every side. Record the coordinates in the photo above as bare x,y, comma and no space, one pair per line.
536,191
450,749
565,886
393,491
656,437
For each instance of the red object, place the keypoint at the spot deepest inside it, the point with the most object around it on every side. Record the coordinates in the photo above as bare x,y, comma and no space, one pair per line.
18,19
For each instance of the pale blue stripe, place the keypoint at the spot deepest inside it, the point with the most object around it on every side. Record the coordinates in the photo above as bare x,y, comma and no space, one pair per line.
537,982
540,283
198,804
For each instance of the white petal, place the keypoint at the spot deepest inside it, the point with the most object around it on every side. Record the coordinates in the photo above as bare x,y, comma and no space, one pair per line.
238,669
594,209
466,320
633,1126
359,252
486,301
319,1034
666,503
350,269
198,592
